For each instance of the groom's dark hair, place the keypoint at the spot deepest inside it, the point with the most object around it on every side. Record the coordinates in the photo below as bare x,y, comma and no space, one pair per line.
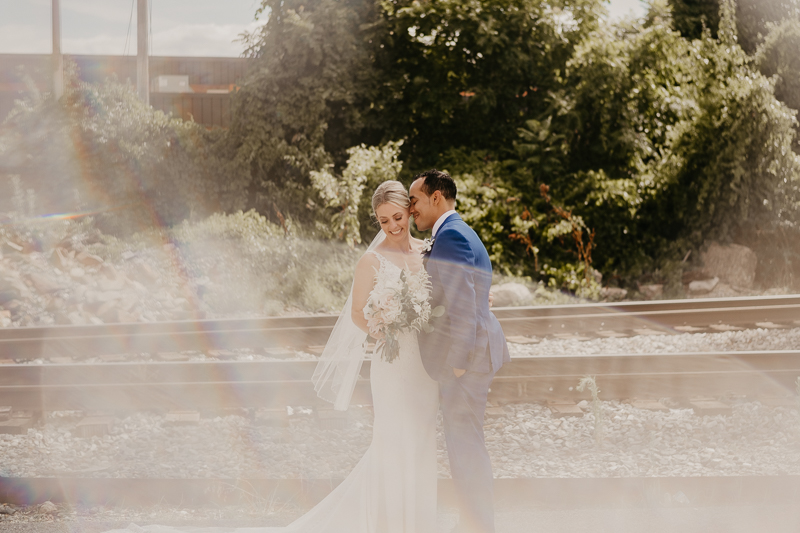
436,180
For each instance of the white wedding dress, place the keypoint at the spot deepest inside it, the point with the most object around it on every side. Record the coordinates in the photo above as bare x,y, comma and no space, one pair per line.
392,489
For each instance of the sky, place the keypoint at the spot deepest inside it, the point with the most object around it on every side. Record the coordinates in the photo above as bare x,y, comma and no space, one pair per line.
179,27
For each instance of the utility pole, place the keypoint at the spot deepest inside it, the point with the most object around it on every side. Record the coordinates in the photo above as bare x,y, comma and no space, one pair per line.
58,58
142,56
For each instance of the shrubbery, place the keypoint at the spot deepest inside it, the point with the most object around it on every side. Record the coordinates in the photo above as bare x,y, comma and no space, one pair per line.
259,266
100,149
577,146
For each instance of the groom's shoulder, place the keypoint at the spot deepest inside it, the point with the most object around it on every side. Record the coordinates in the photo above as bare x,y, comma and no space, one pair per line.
462,229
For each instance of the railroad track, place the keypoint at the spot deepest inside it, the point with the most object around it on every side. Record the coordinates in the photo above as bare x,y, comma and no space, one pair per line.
210,385
631,318
213,385
275,384
548,493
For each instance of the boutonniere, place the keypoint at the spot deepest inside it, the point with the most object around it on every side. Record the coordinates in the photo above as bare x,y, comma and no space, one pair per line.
427,245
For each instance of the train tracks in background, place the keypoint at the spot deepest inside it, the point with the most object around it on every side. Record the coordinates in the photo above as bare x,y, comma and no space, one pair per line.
130,385
213,385
609,320
217,385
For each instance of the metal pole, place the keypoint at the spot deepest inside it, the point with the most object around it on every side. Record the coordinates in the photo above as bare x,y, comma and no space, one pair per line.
58,58
142,56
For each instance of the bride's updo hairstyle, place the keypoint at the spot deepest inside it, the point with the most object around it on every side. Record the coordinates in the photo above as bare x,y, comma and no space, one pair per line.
390,192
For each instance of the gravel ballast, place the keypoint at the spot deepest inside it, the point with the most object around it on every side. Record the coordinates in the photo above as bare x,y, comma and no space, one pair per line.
727,341
525,441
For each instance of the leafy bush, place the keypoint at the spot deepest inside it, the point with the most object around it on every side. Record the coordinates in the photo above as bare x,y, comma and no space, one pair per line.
257,266
351,210
100,149
301,105
660,143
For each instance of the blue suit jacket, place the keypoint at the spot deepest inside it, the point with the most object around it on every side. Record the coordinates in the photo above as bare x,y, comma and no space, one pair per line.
468,335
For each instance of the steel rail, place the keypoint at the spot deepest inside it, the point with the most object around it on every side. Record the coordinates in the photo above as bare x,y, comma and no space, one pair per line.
210,385
594,319
540,492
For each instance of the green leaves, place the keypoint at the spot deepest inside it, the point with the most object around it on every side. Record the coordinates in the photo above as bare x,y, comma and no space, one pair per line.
366,167
658,143
300,106
458,73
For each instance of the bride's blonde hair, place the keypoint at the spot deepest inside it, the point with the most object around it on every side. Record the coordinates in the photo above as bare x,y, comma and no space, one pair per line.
390,192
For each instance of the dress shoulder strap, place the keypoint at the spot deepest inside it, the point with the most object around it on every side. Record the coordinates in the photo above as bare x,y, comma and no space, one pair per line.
385,262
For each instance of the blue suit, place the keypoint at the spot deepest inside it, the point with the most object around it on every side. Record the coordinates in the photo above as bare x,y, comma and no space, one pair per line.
467,336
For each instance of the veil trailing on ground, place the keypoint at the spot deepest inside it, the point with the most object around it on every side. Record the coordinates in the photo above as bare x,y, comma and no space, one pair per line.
339,366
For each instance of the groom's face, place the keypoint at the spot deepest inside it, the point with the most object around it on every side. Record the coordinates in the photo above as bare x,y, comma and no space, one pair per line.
422,209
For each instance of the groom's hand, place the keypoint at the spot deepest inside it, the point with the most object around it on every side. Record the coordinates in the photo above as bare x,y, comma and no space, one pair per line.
459,372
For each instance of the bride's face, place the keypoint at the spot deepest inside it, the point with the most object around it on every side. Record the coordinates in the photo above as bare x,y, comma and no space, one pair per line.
394,221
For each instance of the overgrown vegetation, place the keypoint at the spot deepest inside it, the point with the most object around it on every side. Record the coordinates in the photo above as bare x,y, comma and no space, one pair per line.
580,148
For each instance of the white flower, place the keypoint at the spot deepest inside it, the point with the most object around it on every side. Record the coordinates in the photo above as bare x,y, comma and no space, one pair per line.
427,244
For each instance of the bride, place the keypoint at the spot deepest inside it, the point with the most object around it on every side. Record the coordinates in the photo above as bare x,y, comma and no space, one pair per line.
392,489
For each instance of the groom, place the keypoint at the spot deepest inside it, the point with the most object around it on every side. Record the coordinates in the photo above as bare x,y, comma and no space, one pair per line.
467,346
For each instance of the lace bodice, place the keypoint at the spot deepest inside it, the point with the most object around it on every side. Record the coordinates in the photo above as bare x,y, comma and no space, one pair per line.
385,265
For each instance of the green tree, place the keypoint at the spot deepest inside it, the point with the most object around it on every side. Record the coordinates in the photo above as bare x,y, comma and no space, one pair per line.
755,19
99,148
467,73
691,17
301,105
777,57
666,142
351,210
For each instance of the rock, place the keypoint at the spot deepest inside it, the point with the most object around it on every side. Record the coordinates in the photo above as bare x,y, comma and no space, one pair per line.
704,286
46,283
106,284
60,259
8,292
613,293
77,319
10,246
108,312
87,259
55,304
511,294
733,264
7,509
145,274
694,275
125,317
77,272
651,291
273,307
776,291
110,272
47,507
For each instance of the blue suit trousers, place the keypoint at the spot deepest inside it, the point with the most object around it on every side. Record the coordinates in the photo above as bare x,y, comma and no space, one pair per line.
463,403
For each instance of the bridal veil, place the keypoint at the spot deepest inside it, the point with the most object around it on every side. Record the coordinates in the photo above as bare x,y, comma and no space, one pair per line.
339,365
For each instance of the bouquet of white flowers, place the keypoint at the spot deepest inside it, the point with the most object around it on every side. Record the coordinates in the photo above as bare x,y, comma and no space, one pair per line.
399,305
